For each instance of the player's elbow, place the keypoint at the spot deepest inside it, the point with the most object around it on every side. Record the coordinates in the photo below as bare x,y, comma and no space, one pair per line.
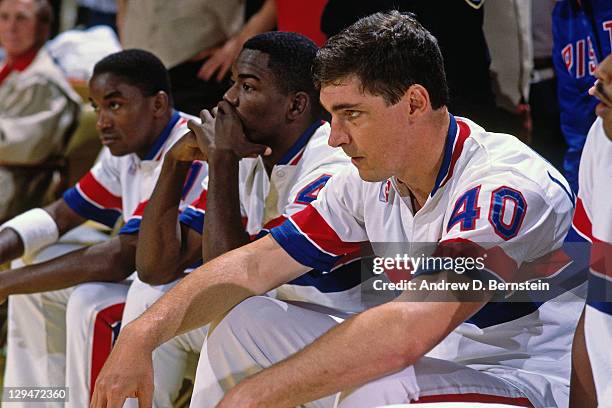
154,273
153,269
404,342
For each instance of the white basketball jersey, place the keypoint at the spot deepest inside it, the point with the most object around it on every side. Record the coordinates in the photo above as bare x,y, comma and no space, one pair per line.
593,221
121,186
497,198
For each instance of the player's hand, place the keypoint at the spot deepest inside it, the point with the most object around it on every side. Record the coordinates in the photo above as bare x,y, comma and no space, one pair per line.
237,397
221,59
204,132
230,136
128,373
186,149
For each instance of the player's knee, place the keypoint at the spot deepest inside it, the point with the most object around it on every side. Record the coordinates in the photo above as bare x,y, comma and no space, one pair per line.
141,296
250,315
141,293
82,301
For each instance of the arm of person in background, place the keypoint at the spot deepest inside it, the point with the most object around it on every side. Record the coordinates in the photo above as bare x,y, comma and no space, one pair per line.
165,250
221,58
121,5
110,261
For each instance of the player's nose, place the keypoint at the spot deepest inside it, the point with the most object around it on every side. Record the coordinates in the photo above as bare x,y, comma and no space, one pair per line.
103,122
231,95
339,135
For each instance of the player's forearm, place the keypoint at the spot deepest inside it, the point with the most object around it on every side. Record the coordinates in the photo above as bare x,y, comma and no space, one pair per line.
205,294
11,246
62,218
582,389
208,292
160,246
223,229
110,261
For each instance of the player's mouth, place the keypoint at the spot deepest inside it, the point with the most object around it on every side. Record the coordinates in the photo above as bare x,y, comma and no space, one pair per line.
604,106
602,109
356,160
108,140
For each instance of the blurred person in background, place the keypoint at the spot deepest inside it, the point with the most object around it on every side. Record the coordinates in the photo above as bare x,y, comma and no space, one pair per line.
263,15
91,13
582,38
38,108
184,35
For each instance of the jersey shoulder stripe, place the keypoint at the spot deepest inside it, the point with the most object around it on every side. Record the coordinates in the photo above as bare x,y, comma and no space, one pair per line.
308,238
91,200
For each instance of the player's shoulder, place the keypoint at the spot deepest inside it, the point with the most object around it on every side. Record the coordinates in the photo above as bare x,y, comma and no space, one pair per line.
501,159
181,124
597,144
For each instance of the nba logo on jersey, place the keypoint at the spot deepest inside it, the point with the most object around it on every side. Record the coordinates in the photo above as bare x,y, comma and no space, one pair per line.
383,195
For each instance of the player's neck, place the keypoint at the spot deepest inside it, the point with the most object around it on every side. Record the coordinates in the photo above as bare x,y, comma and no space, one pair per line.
157,129
420,178
283,142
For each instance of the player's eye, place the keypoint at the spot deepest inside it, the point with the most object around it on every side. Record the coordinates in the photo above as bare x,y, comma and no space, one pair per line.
247,87
114,106
95,107
352,114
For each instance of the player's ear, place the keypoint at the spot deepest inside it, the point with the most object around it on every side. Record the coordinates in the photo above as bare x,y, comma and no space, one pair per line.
161,103
416,99
299,102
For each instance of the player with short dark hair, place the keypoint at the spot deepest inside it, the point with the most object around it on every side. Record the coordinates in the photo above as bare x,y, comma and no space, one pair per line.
137,67
419,176
409,56
290,59
50,327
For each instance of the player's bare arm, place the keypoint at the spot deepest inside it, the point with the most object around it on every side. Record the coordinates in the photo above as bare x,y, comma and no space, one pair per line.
11,244
109,261
582,387
174,249
391,337
204,295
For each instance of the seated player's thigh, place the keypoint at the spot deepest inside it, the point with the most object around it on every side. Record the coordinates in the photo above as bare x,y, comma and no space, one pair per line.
430,381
